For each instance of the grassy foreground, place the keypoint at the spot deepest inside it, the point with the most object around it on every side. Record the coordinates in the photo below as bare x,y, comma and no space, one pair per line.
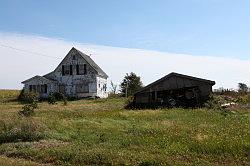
101,132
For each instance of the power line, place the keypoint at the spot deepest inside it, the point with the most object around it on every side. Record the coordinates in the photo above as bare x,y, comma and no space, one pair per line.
27,51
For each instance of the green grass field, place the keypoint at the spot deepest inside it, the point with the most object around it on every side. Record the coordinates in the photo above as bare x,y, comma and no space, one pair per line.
101,132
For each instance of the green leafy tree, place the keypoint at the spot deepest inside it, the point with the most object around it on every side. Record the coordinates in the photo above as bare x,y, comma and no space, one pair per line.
130,84
242,88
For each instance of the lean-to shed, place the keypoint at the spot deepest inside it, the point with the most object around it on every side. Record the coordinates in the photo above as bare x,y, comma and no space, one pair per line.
175,89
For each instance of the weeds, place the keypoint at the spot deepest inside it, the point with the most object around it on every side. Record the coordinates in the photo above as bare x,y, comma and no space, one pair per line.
25,130
101,132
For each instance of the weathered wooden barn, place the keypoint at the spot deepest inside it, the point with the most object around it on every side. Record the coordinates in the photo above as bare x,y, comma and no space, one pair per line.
76,76
175,90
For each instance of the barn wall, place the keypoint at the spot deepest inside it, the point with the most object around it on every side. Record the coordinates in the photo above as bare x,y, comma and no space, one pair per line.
142,97
178,82
174,82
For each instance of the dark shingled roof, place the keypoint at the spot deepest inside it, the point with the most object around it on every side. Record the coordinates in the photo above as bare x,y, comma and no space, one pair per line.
179,75
92,63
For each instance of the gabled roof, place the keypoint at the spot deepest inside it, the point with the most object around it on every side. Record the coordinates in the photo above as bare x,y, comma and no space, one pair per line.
40,78
178,75
92,63
87,58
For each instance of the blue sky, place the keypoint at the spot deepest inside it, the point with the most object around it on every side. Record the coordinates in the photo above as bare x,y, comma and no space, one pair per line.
197,27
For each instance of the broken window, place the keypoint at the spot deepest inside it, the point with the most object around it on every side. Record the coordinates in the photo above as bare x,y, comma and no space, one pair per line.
71,70
81,69
105,87
82,88
30,88
38,88
44,88
84,69
34,88
65,70
77,69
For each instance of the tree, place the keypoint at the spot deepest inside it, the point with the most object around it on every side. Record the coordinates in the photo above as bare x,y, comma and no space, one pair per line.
242,88
130,84
113,88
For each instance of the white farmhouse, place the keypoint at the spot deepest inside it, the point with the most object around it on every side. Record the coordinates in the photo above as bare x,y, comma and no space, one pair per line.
76,76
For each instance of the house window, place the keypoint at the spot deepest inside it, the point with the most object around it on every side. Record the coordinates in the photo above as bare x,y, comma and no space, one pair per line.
84,69
44,88
30,88
82,88
74,57
105,87
65,70
71,69
77,69
34,88
38,88
81,69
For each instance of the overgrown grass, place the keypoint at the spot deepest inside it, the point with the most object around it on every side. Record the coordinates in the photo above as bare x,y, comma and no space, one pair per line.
101,132
8,95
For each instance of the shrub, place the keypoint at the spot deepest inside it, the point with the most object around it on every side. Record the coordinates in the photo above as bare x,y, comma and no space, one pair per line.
28,97
26,130
56,96
245,99
129,103
214,102
59,96
51,99
28,110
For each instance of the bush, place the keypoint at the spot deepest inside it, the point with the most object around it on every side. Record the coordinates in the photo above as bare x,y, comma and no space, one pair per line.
28,97
56,96
26,130
214,102
51,99
28,110
129,103
245,99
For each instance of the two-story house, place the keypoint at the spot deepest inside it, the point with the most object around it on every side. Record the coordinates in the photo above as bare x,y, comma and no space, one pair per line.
76,76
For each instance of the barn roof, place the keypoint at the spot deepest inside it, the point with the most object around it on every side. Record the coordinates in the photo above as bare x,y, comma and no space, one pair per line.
39,78
178,75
